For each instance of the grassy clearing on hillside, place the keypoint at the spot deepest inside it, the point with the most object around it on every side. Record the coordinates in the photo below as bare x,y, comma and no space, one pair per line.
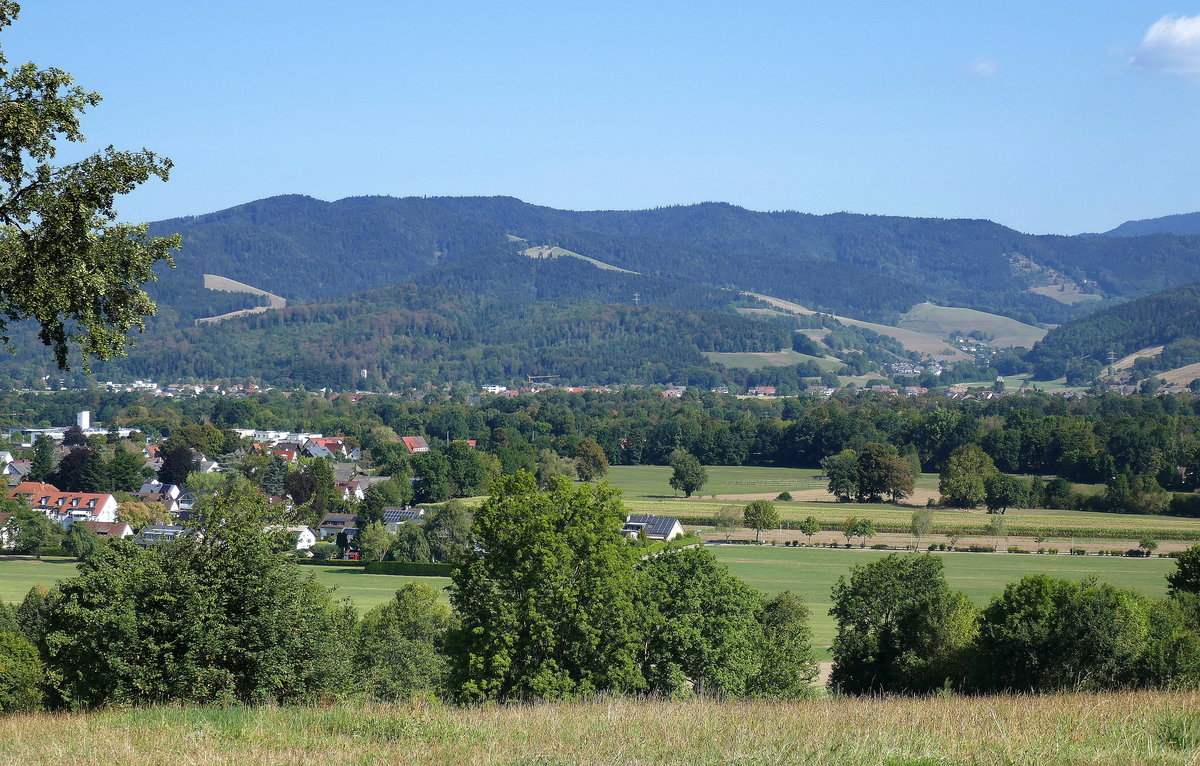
755,360
940,321
1100,729
811,572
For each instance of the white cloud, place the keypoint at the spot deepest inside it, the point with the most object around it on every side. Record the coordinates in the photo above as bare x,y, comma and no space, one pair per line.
982,67
1171,45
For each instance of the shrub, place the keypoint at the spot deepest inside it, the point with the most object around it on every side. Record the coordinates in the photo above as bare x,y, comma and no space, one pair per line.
1017,549
880,547
1078,552
409,568
1052,551
974,548
784,496
21,675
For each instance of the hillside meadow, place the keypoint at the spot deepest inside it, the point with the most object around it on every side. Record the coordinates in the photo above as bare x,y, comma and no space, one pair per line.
1098,729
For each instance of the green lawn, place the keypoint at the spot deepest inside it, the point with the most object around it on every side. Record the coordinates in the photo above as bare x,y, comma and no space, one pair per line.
649,482
18,575
811,573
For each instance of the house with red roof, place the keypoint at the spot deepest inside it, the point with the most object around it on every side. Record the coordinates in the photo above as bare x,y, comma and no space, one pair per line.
66,507
415,444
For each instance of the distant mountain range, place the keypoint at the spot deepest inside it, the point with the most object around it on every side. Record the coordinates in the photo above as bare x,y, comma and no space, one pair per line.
482,288
1184,223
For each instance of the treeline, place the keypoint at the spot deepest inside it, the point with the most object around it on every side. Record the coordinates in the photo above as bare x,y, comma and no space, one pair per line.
1140,447
902,630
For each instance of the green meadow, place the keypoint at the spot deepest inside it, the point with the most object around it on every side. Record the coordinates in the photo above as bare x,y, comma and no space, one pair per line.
811,572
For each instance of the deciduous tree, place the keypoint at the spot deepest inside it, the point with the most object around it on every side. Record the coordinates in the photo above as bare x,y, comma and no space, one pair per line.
687,475
759,515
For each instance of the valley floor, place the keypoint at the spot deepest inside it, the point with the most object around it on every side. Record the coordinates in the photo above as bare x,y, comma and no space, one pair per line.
1126,728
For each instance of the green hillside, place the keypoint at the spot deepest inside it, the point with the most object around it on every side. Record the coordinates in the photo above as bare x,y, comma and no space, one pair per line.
1171,316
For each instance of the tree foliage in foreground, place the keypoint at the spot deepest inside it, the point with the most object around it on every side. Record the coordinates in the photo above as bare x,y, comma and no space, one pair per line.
64,262
900,627
546,606
220,615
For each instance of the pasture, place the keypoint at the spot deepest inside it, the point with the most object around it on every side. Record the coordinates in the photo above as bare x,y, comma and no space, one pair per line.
940,321
646,490
811,573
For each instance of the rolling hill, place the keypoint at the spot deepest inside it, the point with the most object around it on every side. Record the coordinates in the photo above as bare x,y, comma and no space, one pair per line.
1161,319
440,289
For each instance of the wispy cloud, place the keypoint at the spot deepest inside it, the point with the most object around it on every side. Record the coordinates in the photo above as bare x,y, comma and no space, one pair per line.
982,67
1172,46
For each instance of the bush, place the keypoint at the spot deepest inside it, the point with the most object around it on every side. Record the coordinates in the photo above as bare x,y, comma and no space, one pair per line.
331,562
784,496
1018,549
880,547
1052,551
973,548
409,568
21,675
1078,552
325,551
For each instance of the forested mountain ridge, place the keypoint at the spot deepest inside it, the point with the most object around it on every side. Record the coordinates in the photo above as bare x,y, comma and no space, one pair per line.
1183,223
865,266
1153,320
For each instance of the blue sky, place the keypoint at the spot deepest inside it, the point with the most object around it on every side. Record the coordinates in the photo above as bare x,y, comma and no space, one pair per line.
1048,117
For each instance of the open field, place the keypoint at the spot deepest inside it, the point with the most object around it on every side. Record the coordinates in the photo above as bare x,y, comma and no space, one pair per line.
920,342
1098,729
754,360
548,251
940,321
811,572
1064,293
19,574
227,285
646,491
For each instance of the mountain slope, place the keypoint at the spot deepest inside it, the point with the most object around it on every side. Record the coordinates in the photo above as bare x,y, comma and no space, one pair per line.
869,267
1184,223
1154,320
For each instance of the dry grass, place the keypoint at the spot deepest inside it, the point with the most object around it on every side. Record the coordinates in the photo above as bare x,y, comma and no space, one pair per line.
1143,728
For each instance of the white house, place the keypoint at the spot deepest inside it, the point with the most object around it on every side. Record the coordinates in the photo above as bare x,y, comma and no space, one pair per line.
654,527
66,507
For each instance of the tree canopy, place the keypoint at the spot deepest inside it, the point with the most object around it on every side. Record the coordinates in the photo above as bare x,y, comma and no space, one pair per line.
64,261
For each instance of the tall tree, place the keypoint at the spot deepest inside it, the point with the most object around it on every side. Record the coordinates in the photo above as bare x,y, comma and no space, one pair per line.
961,482
400,645
178,462
224,608
842,472
687,475
900,628
590,460
32,532
44,463
759,515
547,604
125,471
65,263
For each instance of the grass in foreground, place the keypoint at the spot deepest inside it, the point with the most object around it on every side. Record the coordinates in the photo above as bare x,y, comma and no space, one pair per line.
1143,728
